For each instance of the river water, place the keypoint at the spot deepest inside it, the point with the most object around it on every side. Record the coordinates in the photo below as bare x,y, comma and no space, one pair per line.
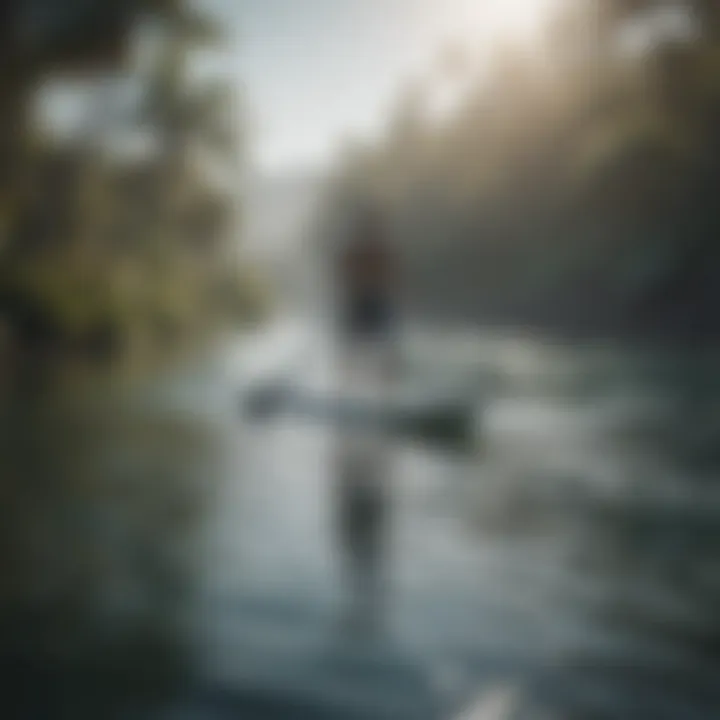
164,558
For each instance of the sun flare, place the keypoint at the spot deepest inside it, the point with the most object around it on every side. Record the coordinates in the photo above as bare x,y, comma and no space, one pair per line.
499,21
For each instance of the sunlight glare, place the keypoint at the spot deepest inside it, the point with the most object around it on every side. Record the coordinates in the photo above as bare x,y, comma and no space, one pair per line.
499,21
478,29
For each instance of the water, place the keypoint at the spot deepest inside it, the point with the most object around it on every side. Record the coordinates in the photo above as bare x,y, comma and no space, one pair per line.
163,559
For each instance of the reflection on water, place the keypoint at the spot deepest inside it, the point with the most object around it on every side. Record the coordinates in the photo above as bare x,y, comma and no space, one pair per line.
99,512
363,514
161,559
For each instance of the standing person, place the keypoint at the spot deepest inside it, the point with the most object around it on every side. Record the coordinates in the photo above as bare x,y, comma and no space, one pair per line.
367,278
367,341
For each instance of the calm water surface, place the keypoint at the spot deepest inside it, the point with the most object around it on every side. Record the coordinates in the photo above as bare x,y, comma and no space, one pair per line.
163,559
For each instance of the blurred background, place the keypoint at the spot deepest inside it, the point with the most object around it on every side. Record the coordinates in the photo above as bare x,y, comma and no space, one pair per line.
174,178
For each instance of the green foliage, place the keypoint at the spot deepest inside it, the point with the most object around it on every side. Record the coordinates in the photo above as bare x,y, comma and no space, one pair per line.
95,248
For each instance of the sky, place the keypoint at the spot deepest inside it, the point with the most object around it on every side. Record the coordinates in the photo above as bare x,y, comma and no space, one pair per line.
316,72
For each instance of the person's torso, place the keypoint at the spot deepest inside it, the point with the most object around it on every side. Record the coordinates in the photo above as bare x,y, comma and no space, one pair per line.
366,286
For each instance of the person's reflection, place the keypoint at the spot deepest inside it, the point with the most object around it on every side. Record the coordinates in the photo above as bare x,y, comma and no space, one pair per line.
363,475
367,356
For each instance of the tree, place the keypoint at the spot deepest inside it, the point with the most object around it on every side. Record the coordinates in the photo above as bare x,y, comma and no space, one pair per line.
572,193
186,119
41,39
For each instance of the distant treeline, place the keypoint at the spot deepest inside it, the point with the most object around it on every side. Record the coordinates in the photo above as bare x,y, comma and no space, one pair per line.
574,187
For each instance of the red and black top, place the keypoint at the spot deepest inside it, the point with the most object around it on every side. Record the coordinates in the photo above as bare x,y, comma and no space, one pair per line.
367,281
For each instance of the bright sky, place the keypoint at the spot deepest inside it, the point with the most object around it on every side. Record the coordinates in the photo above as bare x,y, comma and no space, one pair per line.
317,71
